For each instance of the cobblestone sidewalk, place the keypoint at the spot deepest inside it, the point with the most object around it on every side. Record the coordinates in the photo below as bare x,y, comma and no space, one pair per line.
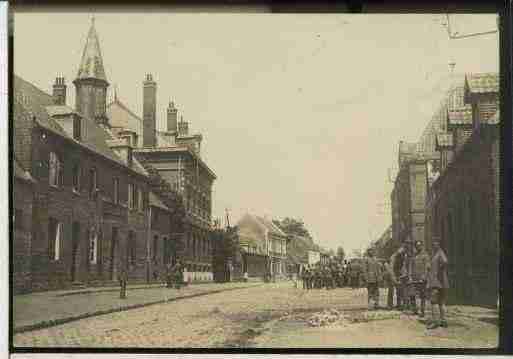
45,309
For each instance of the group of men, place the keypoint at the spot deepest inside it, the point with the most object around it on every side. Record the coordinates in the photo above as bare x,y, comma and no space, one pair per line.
332,275
412,274
174,275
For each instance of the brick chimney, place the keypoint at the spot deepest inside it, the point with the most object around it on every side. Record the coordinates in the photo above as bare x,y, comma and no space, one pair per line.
59,91
183,127
172,117
149,111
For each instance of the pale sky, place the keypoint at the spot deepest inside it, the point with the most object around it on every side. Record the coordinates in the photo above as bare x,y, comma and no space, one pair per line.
301,114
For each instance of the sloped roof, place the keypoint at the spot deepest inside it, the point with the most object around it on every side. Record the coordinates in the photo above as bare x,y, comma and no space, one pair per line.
460,116
28,99
156,202
121,117
251,232
271,227
21,173
482,82
91,65
444,140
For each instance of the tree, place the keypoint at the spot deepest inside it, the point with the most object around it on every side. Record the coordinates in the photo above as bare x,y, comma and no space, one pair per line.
292,226
341,254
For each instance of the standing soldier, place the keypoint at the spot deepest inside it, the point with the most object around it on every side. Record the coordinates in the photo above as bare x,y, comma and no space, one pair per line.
303,276
123,278
169,275
390,283
405,278
344,274
372,278
438,283
397,261
177,274
419,277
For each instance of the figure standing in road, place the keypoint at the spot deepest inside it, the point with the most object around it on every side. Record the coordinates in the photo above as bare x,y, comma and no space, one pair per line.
438,284
372,277
419,278
397,261
390,283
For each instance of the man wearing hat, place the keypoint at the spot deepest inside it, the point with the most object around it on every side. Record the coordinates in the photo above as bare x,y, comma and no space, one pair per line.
419,277
372,277
397,262
438,283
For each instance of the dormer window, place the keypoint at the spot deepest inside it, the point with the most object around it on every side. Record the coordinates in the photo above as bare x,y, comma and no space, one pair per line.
77,128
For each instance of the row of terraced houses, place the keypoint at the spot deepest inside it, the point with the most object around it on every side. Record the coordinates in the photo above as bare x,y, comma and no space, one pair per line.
98,189
448,186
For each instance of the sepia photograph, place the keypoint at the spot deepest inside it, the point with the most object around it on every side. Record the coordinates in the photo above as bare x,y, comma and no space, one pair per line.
254,180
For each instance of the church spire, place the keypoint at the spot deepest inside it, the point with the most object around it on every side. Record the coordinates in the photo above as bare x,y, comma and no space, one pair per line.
91,83
91,65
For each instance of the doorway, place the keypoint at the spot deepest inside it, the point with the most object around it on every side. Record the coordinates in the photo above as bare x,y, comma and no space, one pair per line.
113,248
75,240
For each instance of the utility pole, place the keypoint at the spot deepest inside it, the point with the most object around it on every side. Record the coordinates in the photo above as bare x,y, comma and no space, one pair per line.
456,35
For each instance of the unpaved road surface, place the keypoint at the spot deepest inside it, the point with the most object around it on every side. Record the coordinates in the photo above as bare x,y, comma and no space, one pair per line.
271,316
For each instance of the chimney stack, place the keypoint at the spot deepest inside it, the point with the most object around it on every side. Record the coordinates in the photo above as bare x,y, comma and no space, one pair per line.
59,91
183,127
172,115
149,111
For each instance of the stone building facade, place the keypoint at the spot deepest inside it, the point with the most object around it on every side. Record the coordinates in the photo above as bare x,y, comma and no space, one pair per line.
408,195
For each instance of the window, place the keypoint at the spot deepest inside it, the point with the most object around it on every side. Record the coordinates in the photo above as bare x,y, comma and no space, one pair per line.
76,177
18,219
131,248
77,133
54,238
155,244
130,196
93,247
55,176
116,191
93,182
140,199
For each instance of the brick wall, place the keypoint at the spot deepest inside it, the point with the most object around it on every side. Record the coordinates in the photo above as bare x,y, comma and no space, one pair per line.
89,213
465,215
22,238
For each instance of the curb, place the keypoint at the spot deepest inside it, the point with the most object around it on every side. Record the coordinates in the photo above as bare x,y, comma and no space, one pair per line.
54,322
104,290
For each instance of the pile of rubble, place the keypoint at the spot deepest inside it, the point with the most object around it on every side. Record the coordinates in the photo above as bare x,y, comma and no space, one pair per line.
333,317
328,318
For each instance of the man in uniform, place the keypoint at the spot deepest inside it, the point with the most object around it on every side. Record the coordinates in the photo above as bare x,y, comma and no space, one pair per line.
438,283
390,283
355,274
304,271
372,277
397,261
177,273
345,274
419,277
405,277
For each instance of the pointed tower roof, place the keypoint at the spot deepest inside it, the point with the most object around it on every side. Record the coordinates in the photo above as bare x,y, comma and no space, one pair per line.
91,65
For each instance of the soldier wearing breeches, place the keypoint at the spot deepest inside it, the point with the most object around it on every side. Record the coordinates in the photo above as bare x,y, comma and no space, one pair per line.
372,277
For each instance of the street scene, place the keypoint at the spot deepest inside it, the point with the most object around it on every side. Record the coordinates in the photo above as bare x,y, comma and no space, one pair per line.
314,182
